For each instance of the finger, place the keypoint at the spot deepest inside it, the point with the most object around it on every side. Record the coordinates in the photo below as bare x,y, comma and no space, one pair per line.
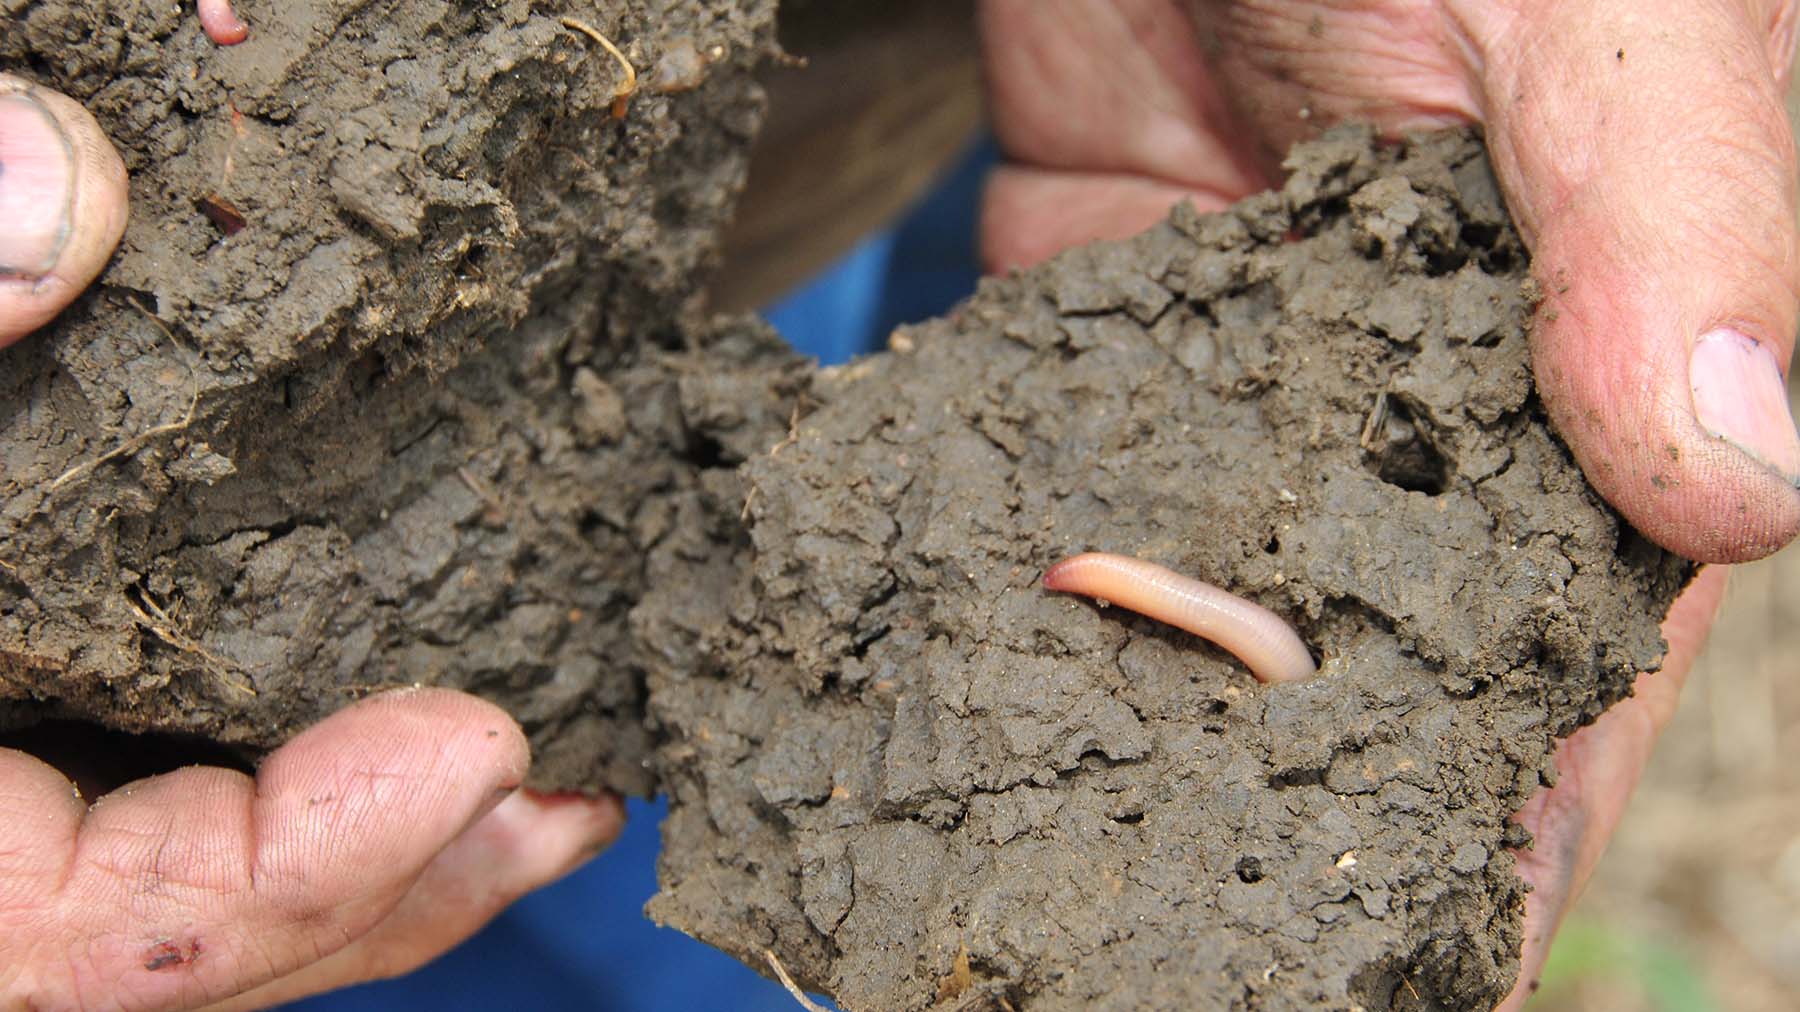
1293,67
199,884
1029,214
1073,100
1597,769
37,804
1118,118
62,201
527,842
1648,160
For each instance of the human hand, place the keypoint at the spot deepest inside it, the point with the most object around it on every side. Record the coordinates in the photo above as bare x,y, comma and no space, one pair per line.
367,845
1642,144
1646,156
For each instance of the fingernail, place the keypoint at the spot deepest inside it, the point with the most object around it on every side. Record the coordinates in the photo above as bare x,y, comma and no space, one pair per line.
603,813
37,185
1740,397
494,799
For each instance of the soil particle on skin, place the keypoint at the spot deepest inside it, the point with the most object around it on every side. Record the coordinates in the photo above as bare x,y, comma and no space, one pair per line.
922,781
419,418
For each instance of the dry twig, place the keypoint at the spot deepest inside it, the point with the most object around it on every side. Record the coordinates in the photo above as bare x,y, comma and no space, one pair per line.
788,982
792,437
1377,417
153,618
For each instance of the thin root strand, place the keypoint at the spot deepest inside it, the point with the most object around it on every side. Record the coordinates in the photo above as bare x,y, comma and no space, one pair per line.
159,623
788,982
142,439
130,446
628,87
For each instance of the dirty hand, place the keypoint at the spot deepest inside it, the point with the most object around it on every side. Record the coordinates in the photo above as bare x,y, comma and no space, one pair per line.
369,844
364,847
1646,156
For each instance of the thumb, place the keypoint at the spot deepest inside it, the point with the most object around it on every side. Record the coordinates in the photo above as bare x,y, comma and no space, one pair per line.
1649,161
62,204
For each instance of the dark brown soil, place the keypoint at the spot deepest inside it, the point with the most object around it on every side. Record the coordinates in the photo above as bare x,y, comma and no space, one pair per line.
420,419
889,749
447,410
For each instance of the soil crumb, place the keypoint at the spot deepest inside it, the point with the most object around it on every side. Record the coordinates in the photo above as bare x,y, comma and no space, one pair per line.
414,409
923,782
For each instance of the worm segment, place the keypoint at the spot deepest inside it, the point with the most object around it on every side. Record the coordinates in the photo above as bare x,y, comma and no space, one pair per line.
1266,644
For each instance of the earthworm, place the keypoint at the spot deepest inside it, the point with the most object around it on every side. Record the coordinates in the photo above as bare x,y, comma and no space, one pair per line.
1254,634
222,25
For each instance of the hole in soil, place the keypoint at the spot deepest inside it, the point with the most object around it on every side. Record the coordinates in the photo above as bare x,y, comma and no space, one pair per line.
1447,261
1479,236
470,266
591,523
1401,455
1296,778
1634,547
705,452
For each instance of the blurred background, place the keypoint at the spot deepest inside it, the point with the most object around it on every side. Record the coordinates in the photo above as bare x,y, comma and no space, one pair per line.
860,216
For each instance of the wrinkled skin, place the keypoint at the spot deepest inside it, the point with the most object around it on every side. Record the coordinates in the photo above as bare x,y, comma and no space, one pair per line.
1646,156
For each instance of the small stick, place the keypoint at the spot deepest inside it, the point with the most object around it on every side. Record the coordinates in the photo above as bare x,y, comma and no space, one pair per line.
788,982
622,94
159,622
792,437
480,488
793,432
1372,424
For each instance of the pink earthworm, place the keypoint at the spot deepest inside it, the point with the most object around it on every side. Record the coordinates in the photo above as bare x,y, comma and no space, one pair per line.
222,24
1254,634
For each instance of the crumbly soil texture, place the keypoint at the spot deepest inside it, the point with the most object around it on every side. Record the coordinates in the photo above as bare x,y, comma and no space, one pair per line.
917,780
402,375
398,372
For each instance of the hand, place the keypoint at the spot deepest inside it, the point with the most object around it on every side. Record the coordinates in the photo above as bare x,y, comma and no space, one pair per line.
363,848
1645,154
1642,145
369,844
